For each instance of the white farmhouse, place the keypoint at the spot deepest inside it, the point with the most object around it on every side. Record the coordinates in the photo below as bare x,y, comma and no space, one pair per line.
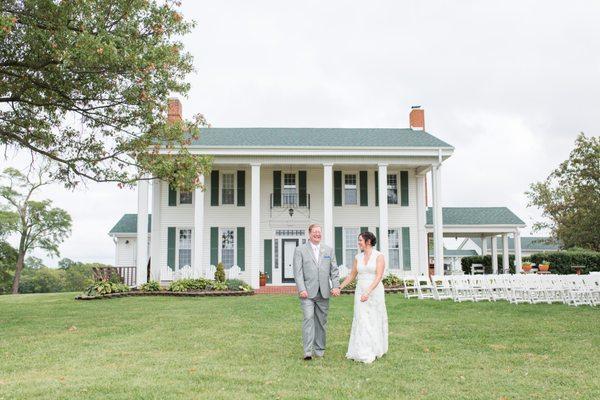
268,184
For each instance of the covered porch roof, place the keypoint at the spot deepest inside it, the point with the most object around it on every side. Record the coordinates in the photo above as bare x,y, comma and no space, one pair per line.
476,221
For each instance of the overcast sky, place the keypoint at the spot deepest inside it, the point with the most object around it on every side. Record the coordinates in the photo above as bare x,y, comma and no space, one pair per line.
509,84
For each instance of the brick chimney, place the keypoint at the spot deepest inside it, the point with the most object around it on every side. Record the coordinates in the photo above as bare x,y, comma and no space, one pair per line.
417,118
174,110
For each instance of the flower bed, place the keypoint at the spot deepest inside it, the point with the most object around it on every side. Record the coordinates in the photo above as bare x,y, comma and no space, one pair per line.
184,287
391,284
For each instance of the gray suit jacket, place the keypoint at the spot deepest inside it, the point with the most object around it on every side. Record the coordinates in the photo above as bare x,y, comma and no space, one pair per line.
312,275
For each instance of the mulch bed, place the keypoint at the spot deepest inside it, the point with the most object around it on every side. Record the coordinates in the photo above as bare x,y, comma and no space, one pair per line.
168,293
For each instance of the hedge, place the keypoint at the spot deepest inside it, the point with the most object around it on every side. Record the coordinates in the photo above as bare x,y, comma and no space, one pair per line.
561,261
466,263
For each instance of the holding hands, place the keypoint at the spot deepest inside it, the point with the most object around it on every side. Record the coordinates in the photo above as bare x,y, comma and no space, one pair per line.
335,292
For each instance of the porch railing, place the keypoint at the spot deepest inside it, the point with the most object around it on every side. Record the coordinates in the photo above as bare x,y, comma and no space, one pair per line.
128,274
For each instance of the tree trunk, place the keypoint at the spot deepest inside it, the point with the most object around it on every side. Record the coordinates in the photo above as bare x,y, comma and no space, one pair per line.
18,269
20,263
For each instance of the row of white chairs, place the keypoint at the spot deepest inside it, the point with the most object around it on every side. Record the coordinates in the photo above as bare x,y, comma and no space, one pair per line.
568,289
187,272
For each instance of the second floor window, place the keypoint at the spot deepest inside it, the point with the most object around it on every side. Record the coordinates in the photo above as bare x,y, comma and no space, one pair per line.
350,196
227,196
185,197
392,189
289,189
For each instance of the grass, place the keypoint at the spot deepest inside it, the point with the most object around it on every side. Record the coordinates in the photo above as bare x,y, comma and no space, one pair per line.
52,347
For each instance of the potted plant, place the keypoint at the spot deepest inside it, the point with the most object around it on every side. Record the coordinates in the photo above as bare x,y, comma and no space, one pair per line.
262,277
544,266
526,266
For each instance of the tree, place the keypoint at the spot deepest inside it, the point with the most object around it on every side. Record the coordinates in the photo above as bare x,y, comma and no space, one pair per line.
85,84
39,224
570,197
8,260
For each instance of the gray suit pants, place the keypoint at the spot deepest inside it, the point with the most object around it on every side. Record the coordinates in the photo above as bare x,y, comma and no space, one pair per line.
314,324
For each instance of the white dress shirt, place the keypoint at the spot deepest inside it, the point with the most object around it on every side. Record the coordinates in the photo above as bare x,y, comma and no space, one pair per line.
315,249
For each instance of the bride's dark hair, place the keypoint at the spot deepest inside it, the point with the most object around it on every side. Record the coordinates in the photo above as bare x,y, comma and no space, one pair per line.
368,237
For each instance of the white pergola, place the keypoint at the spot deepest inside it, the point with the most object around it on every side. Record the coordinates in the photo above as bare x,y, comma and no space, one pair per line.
483,223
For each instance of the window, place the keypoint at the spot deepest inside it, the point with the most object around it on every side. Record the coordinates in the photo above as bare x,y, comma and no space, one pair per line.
392,188
185,197
185,248
227,194
227,247
350,245
394,246
289,189
350,195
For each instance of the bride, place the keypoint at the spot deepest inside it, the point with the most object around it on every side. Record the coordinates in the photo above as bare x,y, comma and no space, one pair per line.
369,335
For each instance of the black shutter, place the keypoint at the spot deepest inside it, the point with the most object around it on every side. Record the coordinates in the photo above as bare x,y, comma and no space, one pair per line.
241,188
364,188
276,188
339,244
337,188
172,196
302,188
268,259
404,188
214,188
241,247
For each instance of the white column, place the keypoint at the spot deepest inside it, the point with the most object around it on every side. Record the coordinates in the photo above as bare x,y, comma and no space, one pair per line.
438,233
505,266
155,232
494,254
383,213
198,248
422,248
484,248
142,231
518,257
328,204
255,262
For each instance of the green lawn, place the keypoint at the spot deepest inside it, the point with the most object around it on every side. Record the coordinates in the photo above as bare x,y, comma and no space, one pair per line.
250,347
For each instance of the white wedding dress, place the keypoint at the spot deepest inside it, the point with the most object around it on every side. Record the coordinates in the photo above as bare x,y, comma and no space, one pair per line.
369,335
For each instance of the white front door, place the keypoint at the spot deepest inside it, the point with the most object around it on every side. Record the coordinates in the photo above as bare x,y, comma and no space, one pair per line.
287,259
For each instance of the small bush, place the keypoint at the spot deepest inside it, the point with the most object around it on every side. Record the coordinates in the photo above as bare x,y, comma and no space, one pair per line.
466,263
350,286
219,286
119,287
151,286
198,284
179,286
220,273
391,281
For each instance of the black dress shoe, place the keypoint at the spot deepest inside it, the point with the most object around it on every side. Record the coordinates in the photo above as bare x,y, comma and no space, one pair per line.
307,358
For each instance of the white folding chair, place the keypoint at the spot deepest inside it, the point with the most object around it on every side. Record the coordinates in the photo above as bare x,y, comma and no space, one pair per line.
441,287
424,287
409,286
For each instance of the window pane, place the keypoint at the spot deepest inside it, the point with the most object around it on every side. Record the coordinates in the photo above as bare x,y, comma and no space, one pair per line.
185,247
392,189
350,195
351,245
394,248
289,194
185,197
227,247
227,189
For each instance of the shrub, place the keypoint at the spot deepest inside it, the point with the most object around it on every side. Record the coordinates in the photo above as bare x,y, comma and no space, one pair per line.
119,287
235,284
561,261
179,286
198,284
466,263
391,281
220,273
350,286
220,286
151,286
99,288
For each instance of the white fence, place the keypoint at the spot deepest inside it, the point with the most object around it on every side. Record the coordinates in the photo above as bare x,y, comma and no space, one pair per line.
568,289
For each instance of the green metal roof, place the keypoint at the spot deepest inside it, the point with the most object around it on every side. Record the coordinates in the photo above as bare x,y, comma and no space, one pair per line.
459,253
128,224
528,243
316,137
476,216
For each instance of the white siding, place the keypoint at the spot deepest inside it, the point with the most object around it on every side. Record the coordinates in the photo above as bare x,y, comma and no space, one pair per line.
126,255
233,216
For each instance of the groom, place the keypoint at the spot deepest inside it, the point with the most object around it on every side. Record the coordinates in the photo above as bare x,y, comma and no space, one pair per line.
316,275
